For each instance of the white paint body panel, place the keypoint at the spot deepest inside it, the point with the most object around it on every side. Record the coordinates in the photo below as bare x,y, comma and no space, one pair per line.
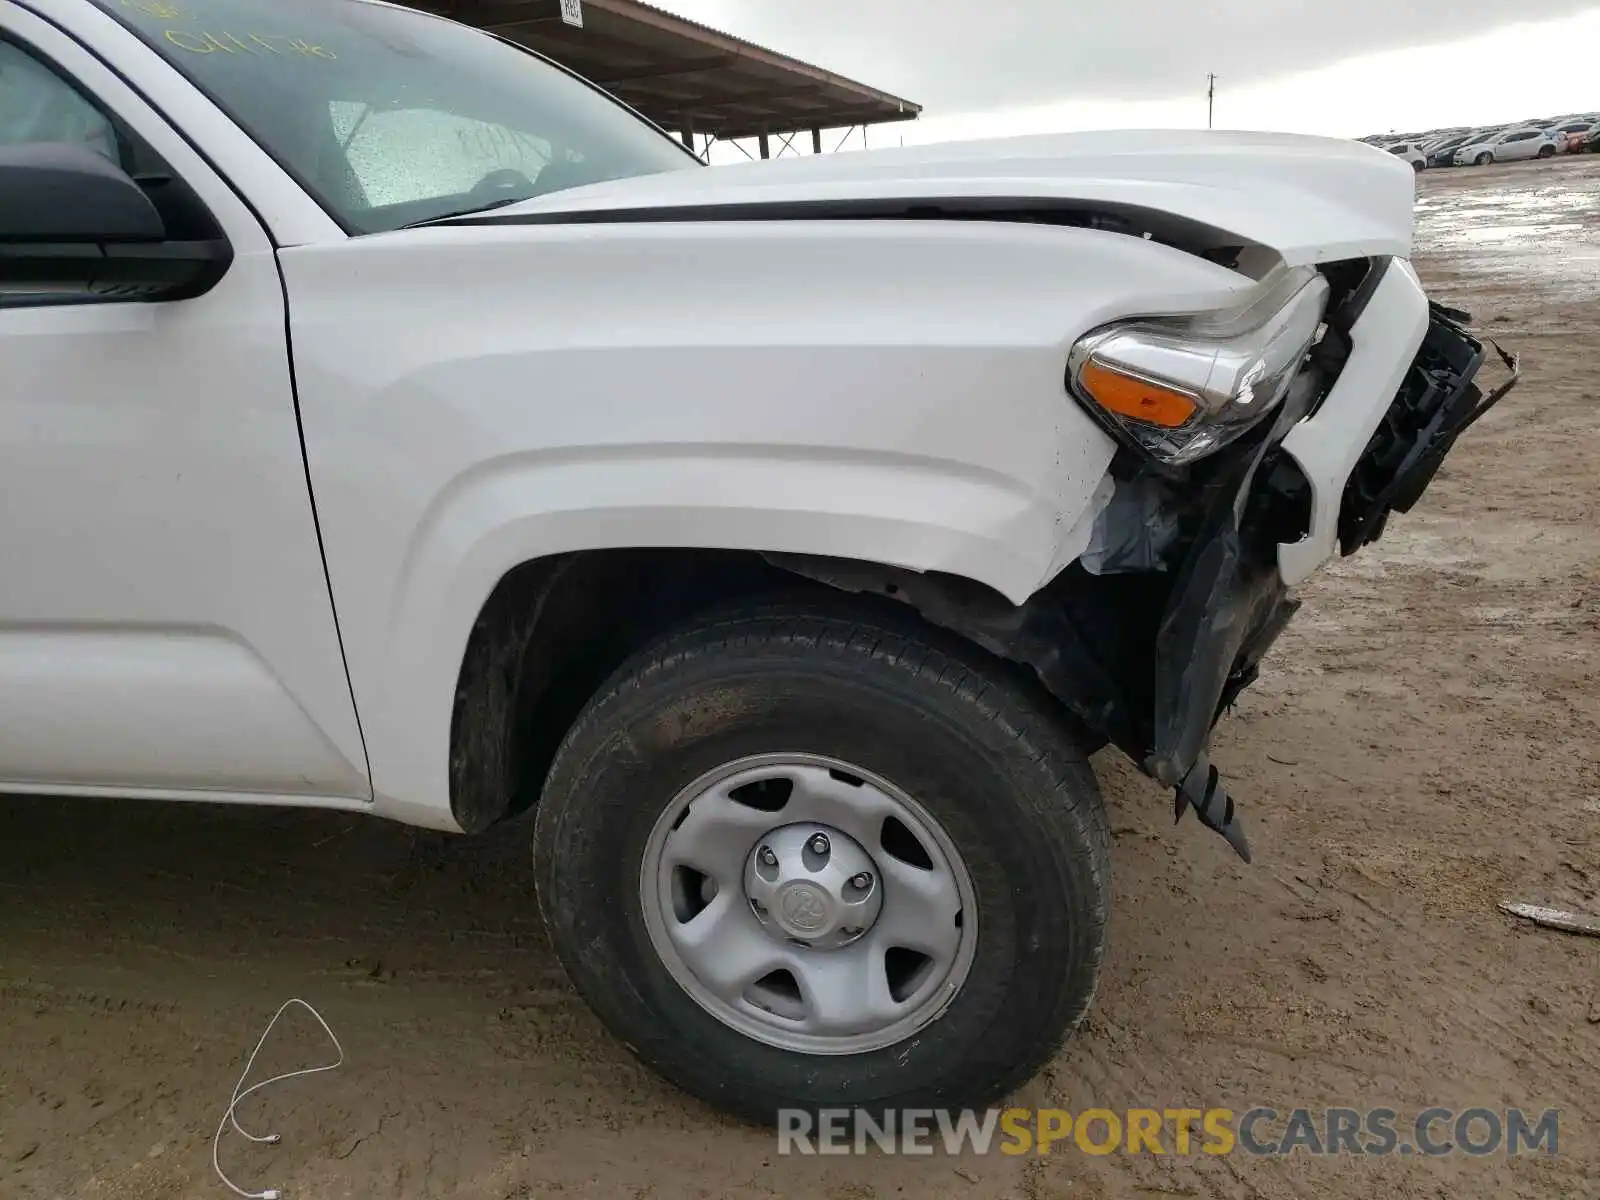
1310,199
165,620
884,391
137,705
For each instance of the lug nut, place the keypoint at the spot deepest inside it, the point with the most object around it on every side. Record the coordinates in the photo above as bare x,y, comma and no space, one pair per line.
768,857
819,844
862,881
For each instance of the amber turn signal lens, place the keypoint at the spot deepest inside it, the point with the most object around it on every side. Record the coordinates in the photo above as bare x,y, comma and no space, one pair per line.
1130,396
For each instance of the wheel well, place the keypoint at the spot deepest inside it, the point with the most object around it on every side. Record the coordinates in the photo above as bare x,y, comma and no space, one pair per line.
556,628
548,636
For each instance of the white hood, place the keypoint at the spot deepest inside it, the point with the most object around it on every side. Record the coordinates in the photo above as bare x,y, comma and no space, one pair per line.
1310,199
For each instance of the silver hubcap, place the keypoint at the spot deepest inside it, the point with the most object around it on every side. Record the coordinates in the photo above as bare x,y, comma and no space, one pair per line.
813,885
808,904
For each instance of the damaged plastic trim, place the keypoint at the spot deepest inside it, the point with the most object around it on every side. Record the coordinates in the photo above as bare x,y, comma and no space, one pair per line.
1202,790
1437,403
1227,607
1230,603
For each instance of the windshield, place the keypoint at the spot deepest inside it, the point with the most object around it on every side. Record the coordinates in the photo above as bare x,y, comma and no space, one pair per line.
391,117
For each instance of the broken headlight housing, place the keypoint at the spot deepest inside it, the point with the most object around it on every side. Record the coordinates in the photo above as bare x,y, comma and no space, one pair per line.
1180,388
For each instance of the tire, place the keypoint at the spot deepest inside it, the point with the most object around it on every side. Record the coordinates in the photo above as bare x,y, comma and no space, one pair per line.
1417,167
995,768
1547,151
1484,159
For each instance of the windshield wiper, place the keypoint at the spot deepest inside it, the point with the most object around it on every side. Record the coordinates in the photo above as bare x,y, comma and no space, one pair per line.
466,212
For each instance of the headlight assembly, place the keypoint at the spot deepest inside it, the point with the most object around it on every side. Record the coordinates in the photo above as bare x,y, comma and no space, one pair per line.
1181,388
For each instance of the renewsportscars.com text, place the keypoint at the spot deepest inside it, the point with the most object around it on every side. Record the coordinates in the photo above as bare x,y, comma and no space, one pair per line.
1262,1131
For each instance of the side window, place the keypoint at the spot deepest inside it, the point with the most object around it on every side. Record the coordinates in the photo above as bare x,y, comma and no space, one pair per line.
1519,137
403,155
38,105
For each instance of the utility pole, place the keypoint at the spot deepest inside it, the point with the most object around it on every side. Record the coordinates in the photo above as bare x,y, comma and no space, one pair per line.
1211,97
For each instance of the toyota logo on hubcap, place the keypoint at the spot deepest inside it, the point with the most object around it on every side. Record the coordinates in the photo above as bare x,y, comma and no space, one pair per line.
804,908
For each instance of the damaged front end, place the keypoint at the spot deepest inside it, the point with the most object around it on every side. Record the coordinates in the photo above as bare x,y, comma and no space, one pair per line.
1227,601
1165,618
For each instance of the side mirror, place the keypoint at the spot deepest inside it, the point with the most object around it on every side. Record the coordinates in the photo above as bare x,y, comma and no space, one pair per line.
72,223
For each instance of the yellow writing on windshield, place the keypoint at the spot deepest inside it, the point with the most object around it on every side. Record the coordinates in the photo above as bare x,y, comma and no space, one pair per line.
259,44
155,8
206,42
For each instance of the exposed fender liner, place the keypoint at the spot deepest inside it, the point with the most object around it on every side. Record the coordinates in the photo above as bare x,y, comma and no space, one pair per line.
494,674
1037,634
1227,606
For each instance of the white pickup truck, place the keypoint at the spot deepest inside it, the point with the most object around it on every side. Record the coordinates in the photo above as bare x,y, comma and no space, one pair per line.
391,421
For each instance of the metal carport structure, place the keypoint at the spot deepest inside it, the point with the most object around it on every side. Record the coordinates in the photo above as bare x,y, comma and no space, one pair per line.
684,76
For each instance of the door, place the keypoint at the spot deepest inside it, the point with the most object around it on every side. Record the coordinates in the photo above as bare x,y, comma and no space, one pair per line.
165,621
1518,146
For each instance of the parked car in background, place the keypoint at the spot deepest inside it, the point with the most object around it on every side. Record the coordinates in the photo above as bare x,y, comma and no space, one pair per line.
1573,136
1484,133
1592,145
1566,118
1514,145
1443,153
1411,152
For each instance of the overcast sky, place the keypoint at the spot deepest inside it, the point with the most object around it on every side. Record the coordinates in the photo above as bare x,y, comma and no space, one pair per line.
1345,67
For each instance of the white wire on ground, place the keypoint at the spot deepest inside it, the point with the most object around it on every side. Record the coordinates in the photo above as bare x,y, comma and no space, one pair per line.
230,1118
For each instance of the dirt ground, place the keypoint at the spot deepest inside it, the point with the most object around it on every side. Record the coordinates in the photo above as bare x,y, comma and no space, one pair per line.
1422,746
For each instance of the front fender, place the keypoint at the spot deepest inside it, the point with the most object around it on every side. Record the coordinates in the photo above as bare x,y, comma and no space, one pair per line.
919,515
916,515
473,399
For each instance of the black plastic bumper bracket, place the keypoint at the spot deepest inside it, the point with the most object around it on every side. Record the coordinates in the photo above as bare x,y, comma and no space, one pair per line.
1202,791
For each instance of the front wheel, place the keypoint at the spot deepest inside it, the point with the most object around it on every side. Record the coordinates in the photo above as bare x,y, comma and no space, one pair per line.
1547,151
798,860
1484,159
